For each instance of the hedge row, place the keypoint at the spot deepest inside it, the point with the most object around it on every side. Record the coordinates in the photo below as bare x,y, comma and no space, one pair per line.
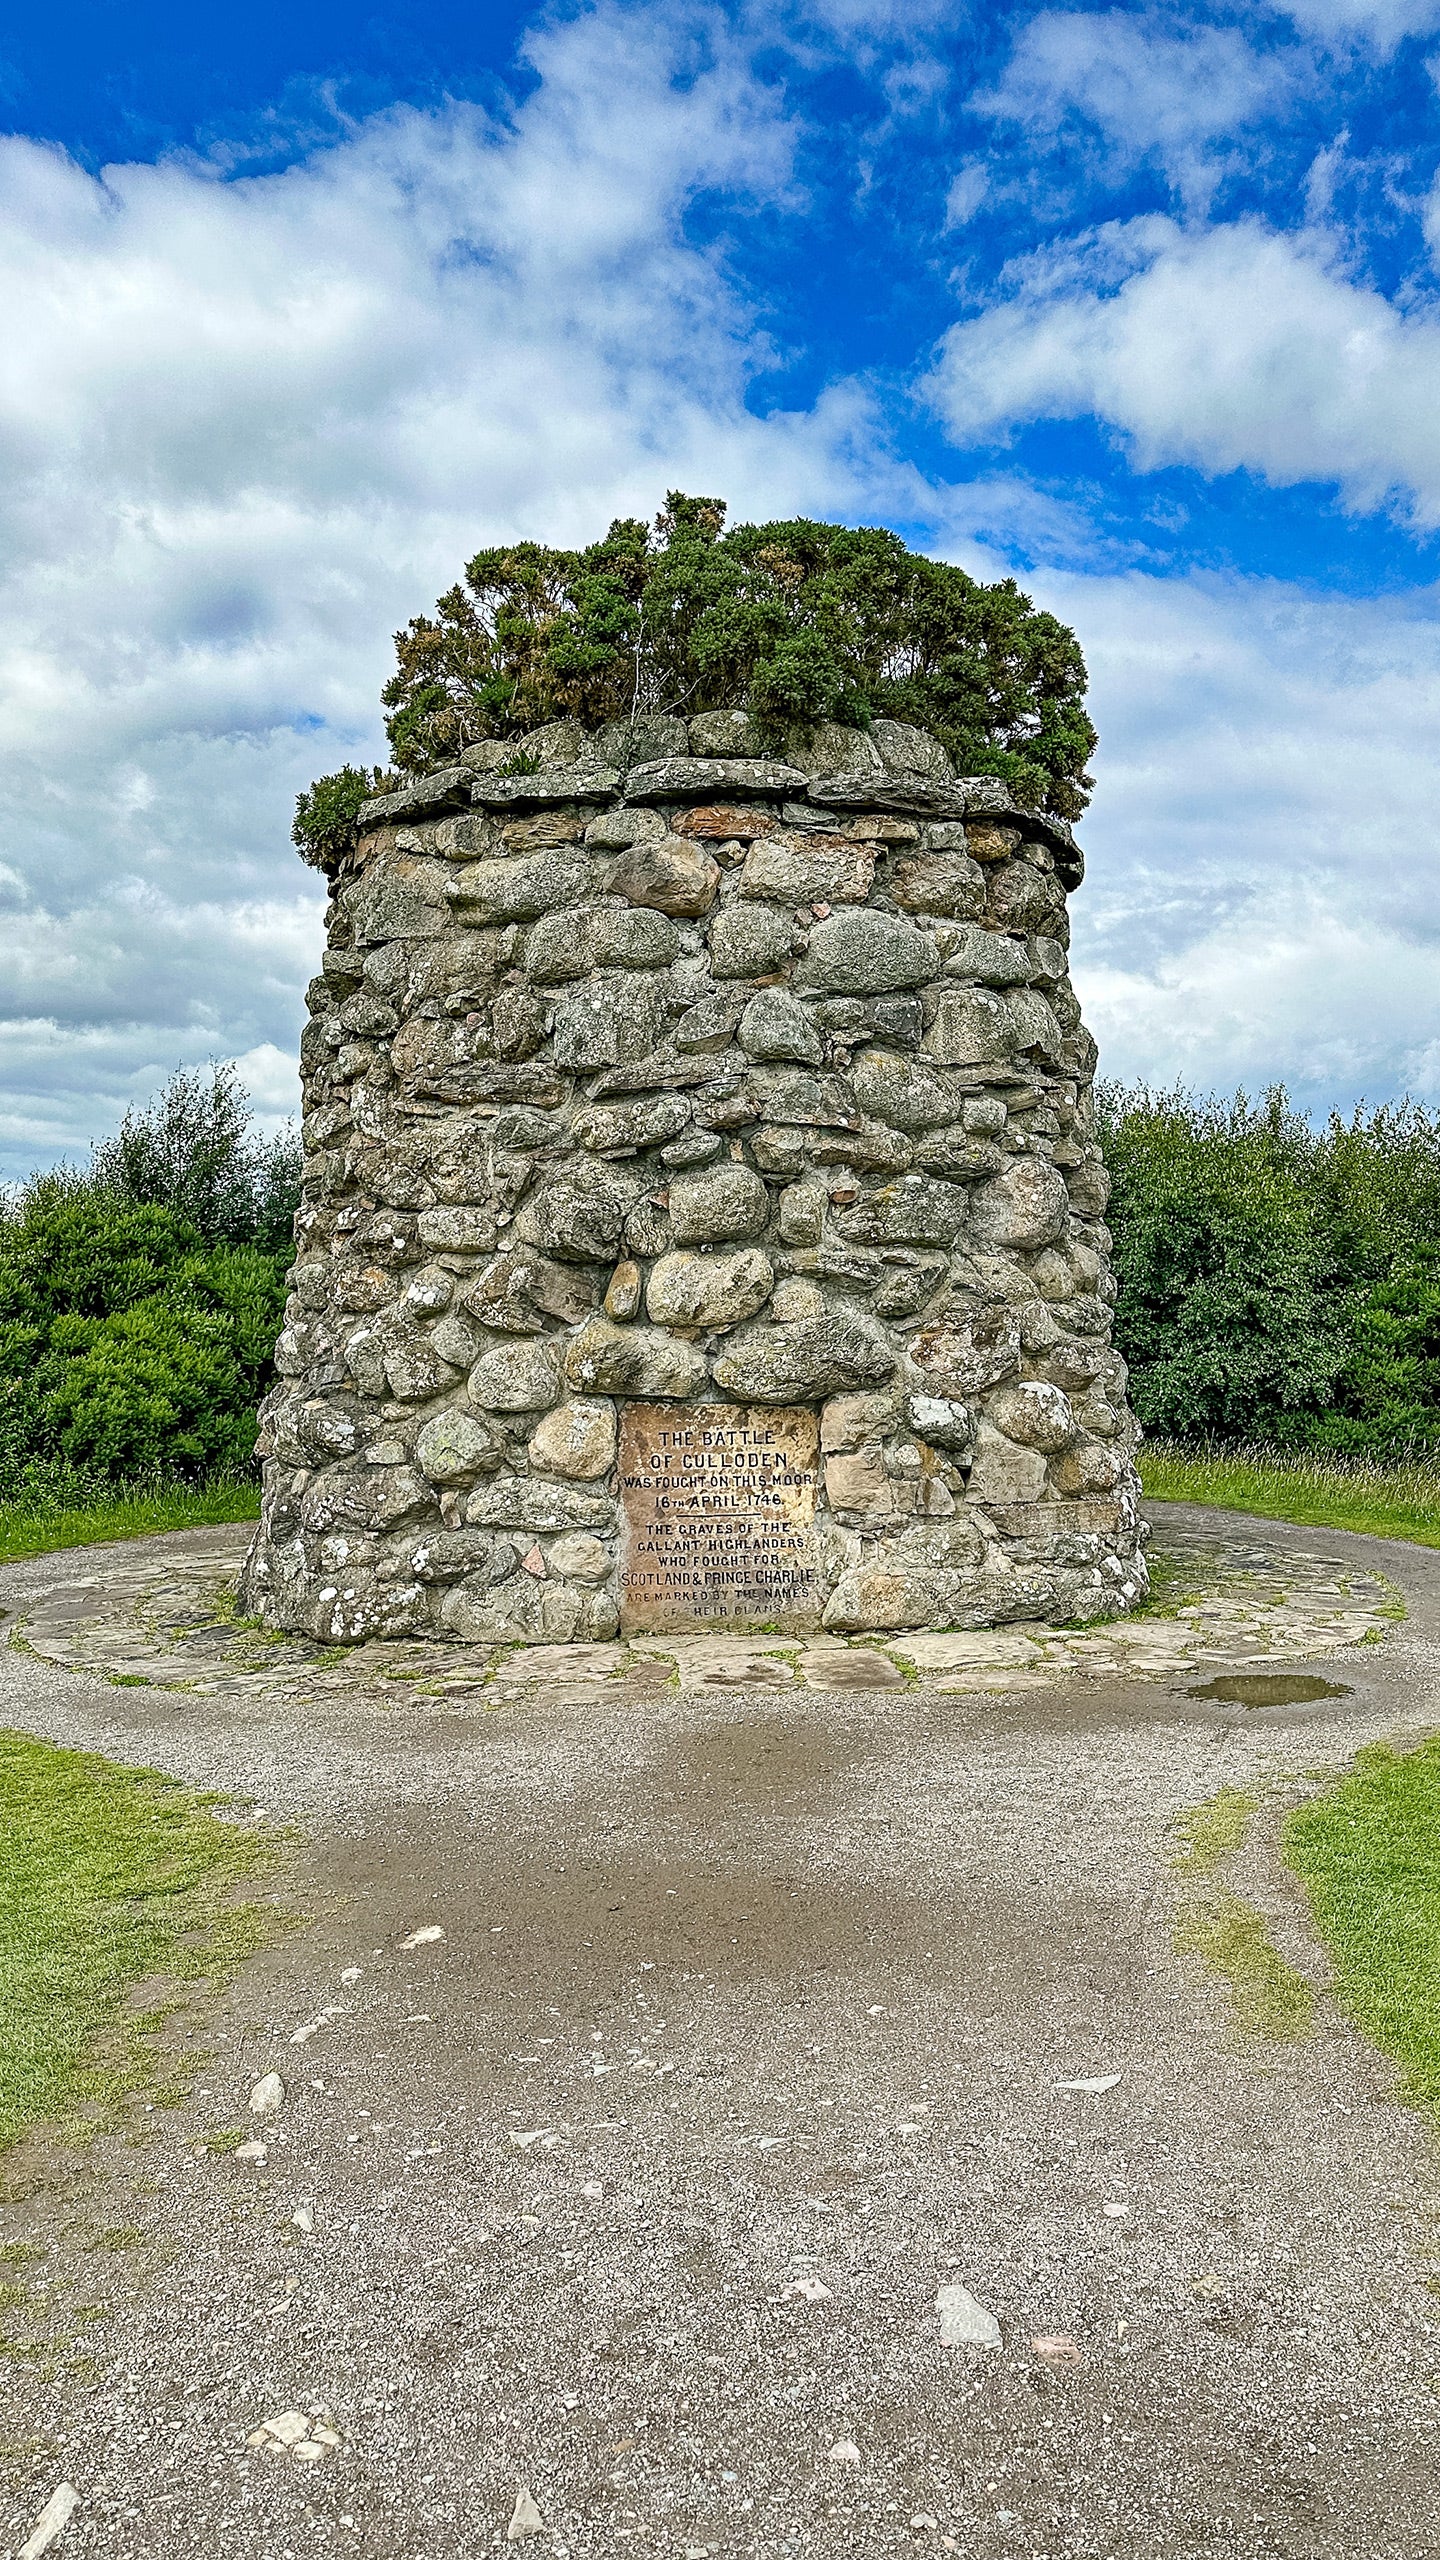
1277,1282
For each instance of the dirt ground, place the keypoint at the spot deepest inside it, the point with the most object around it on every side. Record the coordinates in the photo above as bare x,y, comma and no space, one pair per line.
736,2033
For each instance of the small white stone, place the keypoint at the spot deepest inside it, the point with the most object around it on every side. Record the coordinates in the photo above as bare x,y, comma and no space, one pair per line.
251,2151
428,1937
351,1973
50,2523
964,2322
1094,2088
289,2428
806,2289
268,2095
303,2219
844,2451
527,2518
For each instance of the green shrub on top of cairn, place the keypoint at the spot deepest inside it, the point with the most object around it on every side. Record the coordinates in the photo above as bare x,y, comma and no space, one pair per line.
795,622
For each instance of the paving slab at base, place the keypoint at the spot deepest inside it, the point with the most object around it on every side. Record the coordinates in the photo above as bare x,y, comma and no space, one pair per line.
1229,1598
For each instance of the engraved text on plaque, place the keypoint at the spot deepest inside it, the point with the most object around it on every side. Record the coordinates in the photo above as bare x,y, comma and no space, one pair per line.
717,1513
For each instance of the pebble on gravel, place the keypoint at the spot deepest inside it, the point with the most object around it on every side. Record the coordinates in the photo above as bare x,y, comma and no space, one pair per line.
527,2518
284,2431
268,2095
307,2435
429,1937
964,2322
50,2523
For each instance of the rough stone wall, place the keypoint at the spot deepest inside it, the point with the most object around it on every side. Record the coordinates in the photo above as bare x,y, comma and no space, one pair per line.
670,1071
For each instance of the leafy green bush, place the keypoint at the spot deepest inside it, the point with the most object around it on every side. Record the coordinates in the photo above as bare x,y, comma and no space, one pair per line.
1277,1282
158,1387
139,1301
796,621
325,815
1389,1387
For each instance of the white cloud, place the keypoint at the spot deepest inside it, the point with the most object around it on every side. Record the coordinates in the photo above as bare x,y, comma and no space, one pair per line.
1261,900
1377,25
1149,92
1232,348
966,193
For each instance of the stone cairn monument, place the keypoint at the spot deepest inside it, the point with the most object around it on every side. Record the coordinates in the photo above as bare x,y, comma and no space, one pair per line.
702,1217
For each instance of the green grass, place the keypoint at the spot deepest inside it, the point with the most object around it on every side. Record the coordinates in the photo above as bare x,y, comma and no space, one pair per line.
1213,1832
1268,1998
1395,1498
1368,1852
36,1522
109,1877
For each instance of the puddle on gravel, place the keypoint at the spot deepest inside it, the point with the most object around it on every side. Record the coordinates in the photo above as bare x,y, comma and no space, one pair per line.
1271,1689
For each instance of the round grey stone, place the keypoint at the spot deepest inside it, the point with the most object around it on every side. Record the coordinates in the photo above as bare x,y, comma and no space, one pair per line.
708,1290
454,1447
720,1200
867,953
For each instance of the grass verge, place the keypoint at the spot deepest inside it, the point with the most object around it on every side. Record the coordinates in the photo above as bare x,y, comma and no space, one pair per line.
110,1877
1399,1498
1368,1853
35,1520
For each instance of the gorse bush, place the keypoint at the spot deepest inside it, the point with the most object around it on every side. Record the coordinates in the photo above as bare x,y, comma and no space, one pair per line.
140,1300
1277,1282
796,621
325,815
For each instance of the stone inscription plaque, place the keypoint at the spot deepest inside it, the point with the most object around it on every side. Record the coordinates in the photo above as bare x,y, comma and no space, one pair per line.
717,1512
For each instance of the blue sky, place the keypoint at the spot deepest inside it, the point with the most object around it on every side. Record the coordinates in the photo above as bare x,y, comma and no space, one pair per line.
1138,304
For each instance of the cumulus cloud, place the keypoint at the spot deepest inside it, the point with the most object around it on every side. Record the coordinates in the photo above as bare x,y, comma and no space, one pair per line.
1231,348
1260,899
1145,91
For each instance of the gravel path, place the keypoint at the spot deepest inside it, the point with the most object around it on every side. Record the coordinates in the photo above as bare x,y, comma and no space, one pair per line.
734,2036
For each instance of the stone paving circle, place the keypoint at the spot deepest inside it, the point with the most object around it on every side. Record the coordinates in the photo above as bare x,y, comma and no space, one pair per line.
1222,1601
